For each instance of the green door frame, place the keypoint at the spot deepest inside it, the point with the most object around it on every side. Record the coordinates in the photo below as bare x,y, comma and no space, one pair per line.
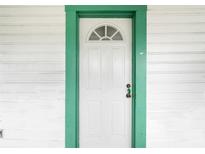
138,16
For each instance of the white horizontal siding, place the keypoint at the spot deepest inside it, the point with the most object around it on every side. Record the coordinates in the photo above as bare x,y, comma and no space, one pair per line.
32,70
176,76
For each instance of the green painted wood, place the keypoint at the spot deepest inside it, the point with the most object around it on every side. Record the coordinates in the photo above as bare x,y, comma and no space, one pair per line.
105,8
140,80
71,128
138,15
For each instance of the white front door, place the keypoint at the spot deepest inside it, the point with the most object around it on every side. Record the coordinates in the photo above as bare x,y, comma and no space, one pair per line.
105,70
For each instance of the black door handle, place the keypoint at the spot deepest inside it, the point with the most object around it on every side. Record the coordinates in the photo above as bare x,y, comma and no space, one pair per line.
128,95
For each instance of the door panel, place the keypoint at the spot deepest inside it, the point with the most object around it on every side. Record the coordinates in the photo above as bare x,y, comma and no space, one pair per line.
105,69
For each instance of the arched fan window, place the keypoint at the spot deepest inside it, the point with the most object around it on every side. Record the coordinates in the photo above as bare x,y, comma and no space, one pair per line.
105,33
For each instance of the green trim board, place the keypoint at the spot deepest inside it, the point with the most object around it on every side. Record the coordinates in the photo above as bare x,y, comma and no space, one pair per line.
138,15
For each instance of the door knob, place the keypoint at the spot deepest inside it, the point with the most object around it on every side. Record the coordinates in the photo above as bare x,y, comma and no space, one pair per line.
128,95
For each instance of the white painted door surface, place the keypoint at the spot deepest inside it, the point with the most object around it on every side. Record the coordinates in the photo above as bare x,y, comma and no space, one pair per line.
105,69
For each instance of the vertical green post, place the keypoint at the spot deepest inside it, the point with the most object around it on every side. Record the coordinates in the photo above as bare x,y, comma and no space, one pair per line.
71,111
140,79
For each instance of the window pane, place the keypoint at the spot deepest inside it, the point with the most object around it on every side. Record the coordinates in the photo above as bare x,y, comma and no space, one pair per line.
101,31
93,36
110,31
117,36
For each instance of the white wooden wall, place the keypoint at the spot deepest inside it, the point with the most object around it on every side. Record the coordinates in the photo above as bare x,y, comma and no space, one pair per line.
32,59
32,70
176,76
